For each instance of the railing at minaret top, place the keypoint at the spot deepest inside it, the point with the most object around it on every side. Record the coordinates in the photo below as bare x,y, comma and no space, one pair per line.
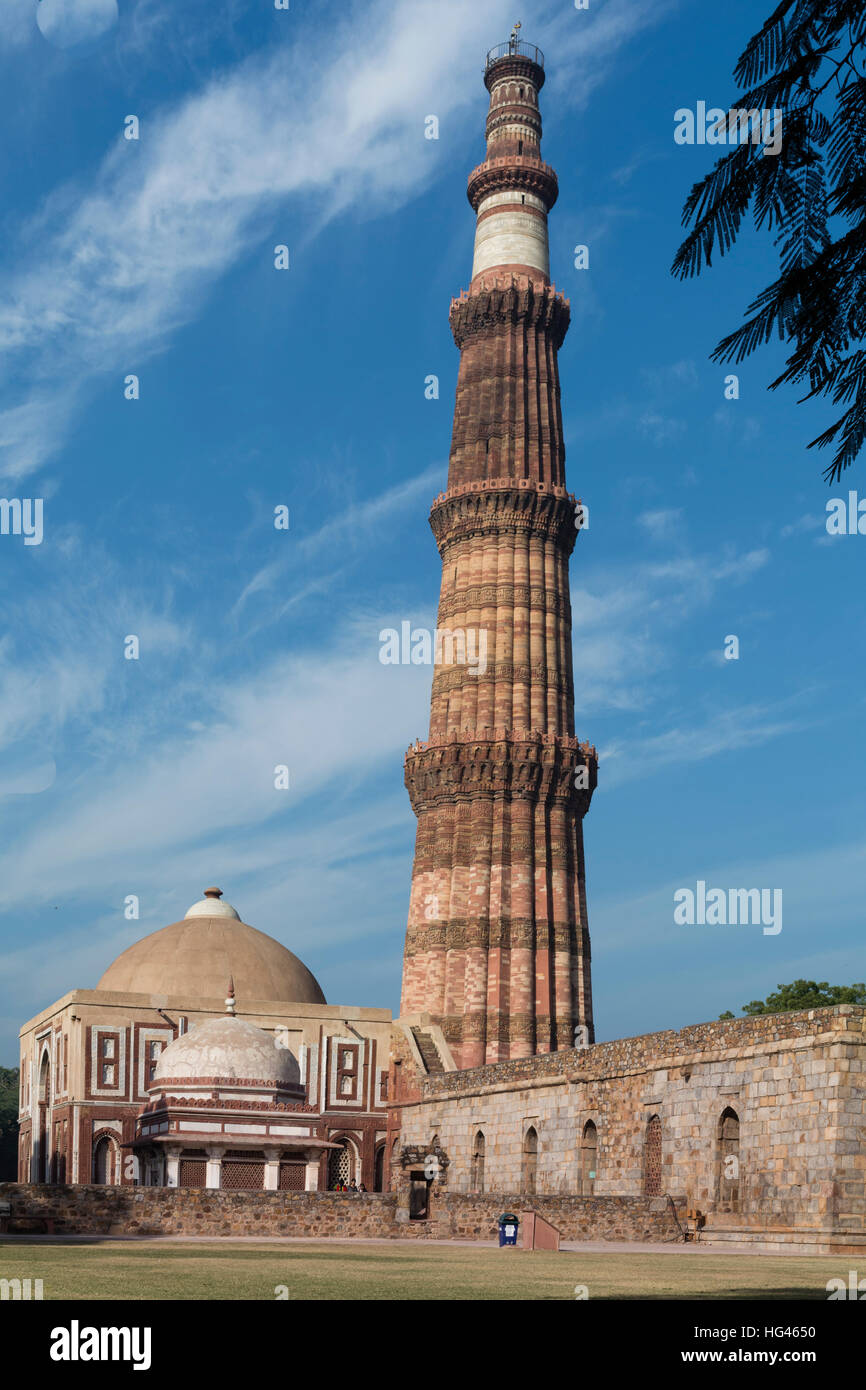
512,49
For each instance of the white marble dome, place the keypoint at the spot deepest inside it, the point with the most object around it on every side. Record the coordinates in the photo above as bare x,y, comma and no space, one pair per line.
211,905
227,1049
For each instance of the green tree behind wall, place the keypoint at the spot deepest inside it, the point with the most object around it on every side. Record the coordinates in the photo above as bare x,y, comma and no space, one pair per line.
804,994
8,1124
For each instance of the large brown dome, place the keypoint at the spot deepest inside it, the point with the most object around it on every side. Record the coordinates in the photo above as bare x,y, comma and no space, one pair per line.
198,956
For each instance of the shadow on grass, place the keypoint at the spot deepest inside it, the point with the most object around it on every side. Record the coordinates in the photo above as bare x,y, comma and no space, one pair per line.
720,1296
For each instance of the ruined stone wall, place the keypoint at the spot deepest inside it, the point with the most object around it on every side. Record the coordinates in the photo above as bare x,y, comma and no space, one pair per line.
146,1211
795,1082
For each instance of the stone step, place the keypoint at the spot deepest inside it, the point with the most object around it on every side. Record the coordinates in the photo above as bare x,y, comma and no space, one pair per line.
429,1051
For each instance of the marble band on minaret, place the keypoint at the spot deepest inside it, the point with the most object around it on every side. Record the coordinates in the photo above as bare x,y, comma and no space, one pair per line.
497,944
513,190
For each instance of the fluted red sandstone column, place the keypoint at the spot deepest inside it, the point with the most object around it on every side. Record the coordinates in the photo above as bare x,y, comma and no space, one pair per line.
497,947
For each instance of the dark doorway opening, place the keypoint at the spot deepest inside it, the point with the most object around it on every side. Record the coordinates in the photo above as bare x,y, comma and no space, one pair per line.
419,1197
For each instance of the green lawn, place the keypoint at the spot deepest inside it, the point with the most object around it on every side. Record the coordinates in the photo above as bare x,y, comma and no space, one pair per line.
151,1270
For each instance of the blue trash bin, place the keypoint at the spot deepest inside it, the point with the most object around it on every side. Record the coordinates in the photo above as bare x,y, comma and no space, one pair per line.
508,1228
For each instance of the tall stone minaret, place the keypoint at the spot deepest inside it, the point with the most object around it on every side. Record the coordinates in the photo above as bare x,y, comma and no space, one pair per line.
497,947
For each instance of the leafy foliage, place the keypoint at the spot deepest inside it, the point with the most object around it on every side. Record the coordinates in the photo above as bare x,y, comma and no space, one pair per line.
804,994
8,1123
809,54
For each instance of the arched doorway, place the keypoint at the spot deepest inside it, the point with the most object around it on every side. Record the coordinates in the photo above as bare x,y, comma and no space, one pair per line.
652,1158
342,1164
588,1160
529,1174
379,1169
104,1161
728,1162
478,1155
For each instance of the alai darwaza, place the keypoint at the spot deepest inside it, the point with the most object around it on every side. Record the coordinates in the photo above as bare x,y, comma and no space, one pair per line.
206,1056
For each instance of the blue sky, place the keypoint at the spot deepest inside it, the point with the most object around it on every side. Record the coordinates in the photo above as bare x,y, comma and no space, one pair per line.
155,777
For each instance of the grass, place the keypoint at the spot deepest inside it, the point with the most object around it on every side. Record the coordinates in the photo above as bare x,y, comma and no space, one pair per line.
153,1270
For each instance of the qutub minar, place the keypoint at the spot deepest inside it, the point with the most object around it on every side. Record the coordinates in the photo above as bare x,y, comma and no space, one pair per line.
488,1092
497,947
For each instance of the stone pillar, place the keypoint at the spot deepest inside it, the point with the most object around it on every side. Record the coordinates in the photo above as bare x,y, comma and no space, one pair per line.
214,1171
272,1170
172,1167
311,1183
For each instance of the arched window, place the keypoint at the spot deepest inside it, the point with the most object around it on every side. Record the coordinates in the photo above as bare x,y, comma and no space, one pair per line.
587,1160
43,1170
530,1160
728,1161
478,1148
45,1080
652,1158
104,1161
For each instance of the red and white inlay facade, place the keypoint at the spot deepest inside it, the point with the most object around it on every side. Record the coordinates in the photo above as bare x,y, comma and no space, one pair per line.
497,946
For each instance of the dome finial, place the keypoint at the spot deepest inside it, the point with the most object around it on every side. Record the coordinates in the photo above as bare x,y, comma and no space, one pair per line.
230,997
212,905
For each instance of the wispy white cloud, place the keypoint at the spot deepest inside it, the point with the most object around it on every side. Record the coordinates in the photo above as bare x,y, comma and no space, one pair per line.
724,731
331,716
17,23
671,377
803,526
626,627
731,420
348,532
661,523
164,217
66,23
661,429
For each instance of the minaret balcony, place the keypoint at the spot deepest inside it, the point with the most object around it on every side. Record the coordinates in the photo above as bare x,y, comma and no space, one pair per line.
520,172
512,49
517,59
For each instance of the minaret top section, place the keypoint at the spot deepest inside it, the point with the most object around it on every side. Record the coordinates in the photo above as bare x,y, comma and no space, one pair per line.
513,190
514,49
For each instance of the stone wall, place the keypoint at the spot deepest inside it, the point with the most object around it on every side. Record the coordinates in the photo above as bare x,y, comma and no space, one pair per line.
794,1081
147,1211
84,1210
474,1216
